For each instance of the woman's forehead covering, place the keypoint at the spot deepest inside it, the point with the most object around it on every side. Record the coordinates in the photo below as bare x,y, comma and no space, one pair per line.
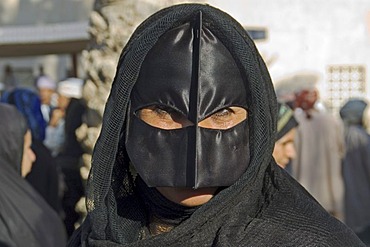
189,63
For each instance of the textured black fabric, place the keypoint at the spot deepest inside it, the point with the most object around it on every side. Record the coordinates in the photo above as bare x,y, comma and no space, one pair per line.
161,207
264,207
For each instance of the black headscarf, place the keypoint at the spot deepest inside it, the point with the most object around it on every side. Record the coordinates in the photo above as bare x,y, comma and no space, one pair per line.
25,218
356,166
13,127
44,175
29,104
352,112
264,207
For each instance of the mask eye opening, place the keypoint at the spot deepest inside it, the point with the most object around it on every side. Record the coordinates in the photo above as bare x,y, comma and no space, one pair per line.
163,117
224,118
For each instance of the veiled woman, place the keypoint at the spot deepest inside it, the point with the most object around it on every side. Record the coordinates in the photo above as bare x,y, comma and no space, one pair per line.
25,218
44,176
356,167
185,153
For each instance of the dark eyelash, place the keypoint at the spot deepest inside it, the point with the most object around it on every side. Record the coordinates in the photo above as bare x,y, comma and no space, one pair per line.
162,109
223,112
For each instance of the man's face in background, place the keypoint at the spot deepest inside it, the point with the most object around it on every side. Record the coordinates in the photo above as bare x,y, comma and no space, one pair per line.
46,95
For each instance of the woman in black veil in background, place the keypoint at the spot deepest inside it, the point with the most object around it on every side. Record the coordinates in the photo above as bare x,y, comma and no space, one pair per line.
44,176
25,218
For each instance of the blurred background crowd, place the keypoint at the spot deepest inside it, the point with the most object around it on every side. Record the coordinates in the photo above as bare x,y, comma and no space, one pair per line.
58,59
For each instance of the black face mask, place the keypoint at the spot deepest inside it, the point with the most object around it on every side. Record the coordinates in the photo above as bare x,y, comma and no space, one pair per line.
190,71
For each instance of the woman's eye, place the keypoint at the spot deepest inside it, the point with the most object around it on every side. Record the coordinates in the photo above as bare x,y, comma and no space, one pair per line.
163,111
163,117
160,111
224,118
223,113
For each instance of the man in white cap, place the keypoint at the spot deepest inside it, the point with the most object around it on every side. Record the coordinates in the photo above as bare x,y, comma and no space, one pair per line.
69,114
46,87
67,90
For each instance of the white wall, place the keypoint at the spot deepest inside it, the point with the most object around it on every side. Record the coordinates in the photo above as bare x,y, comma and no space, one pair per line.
304,35
307,35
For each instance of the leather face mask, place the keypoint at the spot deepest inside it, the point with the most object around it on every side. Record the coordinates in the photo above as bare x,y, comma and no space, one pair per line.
190,73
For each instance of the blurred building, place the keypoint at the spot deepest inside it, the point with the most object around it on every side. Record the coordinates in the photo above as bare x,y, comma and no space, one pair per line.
43,36
328,38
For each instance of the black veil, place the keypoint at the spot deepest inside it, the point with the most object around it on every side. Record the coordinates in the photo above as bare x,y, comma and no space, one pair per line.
244,214
25,218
